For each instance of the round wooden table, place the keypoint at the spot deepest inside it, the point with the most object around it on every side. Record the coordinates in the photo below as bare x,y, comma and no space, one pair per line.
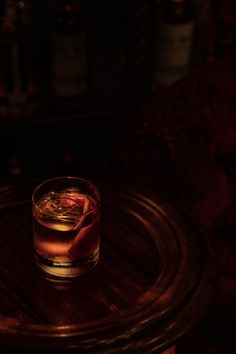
154,280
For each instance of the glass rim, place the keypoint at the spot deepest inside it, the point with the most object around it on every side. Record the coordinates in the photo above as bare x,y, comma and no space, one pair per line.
69,178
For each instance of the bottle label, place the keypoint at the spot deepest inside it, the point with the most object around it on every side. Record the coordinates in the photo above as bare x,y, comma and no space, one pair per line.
174,51
69,64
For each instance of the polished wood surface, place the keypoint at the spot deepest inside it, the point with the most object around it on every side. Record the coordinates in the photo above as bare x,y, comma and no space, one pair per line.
154,280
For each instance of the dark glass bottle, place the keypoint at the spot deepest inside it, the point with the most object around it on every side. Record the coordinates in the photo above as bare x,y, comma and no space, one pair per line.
17,84
174,41
204,32
120,53
69,56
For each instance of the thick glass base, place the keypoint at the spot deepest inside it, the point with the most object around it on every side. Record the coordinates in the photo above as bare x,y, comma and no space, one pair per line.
67,269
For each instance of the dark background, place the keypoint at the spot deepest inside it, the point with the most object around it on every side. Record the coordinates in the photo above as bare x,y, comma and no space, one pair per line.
180,139
55,139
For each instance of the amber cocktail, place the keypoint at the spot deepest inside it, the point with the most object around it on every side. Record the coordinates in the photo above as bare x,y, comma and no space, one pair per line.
66,226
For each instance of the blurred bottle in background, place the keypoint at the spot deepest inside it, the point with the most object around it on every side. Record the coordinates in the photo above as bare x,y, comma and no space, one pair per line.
204,32
119,43
17,82
68,52
175,29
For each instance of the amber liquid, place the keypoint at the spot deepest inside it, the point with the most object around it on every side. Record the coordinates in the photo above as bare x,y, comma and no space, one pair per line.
63,236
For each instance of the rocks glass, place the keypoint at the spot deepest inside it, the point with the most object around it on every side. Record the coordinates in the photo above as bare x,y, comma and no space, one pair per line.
66,226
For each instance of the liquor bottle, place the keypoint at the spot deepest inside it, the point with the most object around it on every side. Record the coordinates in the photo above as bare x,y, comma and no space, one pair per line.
138,55
17,86
109,38
119,71
69,56
174,41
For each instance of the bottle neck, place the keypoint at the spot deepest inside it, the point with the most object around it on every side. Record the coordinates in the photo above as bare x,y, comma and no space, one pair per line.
9,22
69,17
15,15
174,11
10,10
70,6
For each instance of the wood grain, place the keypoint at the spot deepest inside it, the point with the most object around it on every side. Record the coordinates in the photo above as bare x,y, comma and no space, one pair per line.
153,266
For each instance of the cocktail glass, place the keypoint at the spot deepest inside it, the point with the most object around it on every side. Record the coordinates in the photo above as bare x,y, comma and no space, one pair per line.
66,226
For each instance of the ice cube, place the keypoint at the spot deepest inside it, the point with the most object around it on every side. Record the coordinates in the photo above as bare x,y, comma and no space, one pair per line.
65,207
